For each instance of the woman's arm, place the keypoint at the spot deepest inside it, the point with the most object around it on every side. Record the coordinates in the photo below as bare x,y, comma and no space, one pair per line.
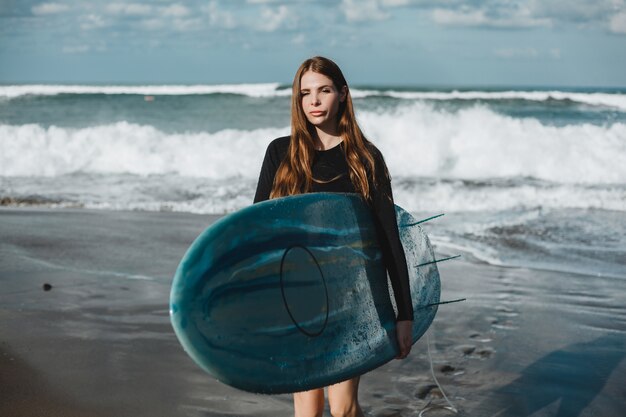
393,252
266,178
271,162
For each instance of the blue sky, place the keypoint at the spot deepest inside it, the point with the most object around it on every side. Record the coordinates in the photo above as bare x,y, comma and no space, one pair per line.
383,42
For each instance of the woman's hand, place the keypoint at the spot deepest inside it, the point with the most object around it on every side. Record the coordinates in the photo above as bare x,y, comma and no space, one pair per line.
404,331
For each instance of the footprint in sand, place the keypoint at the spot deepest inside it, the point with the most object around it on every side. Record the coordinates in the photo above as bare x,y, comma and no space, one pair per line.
485,352
451,370
466,349
428,392
472,351
506,311
477,337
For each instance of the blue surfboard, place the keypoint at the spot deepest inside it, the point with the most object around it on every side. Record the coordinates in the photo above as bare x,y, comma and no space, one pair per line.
292,294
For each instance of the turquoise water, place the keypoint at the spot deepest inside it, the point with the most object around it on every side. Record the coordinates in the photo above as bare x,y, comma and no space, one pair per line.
248,109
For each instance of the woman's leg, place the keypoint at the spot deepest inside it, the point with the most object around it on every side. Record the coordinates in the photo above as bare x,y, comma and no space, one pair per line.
343,399
309,403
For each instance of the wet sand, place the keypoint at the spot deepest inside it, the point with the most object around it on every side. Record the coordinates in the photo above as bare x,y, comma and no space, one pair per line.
99,342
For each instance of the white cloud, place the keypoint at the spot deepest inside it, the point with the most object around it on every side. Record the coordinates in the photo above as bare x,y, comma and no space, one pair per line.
516,52
92,21
298,39
185,25
517,13
527,53
76,49
617,24
129,9
466,16
394,3
272,19
362,10
49,8
555,53
574,10
456,18
180,25
175,10
175,17
218,17
152,24
608,13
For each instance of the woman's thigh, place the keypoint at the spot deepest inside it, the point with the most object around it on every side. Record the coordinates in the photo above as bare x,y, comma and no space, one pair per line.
309,403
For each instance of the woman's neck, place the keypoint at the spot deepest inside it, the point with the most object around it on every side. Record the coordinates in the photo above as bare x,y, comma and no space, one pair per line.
326,140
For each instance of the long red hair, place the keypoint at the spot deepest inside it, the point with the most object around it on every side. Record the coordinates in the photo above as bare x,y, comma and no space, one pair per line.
294,174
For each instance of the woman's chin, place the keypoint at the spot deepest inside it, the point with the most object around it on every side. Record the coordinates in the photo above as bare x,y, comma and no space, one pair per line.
322,124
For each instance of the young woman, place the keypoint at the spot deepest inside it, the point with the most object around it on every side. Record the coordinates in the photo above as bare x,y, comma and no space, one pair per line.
327,152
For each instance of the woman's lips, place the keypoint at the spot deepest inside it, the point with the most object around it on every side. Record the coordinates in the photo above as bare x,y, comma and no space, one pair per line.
316,113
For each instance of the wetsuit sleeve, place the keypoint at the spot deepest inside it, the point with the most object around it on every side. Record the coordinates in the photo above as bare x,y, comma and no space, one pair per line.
393,253
266,177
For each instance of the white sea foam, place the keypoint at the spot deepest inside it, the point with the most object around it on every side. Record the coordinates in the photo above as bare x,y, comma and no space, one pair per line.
448,197
437,198
477,143
31,150
417,141
172,192
252,90
613,100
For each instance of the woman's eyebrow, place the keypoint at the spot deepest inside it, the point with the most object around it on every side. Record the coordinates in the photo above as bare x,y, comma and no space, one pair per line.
319,88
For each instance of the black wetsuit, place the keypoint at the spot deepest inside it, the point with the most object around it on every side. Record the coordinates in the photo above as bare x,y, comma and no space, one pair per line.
329,164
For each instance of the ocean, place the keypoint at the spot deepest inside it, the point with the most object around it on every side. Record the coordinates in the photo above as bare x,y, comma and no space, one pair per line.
532,178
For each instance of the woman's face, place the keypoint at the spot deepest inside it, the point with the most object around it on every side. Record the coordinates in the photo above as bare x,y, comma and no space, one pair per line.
320,99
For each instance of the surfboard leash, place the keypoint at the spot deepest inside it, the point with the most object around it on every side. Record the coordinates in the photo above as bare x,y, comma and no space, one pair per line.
450,407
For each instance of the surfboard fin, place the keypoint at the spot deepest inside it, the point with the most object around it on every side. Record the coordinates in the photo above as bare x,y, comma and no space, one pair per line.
442,302
438,260
422,221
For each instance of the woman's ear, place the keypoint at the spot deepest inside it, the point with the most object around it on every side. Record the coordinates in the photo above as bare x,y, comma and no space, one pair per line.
344,93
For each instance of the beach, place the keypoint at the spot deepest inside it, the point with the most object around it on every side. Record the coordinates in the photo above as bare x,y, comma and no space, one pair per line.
98,342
